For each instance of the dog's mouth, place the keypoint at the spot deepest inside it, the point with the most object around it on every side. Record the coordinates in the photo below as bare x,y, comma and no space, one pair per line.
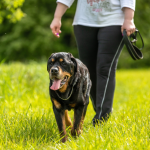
58,83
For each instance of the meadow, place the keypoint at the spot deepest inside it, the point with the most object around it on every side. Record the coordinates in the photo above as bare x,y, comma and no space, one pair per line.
27,120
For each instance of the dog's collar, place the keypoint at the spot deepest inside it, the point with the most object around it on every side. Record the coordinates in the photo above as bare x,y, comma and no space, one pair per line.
68,96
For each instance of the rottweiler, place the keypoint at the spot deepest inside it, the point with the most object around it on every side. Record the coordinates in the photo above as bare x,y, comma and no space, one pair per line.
69,88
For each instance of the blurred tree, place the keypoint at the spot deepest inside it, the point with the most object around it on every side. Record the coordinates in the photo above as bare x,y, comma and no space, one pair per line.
31,37
10,9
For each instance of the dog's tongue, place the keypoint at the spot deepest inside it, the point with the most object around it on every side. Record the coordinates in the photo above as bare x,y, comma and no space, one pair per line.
56,85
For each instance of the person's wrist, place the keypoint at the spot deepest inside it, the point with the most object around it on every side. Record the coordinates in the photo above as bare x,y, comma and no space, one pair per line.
57,18
128,19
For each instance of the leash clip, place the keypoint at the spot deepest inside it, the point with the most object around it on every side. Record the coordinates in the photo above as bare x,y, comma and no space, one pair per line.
134,40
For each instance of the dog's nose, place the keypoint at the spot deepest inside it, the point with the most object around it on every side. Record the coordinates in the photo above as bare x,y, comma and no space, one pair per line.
54,70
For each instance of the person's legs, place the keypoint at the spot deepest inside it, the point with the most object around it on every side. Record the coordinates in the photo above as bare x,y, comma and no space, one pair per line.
86,38
99,49
110,44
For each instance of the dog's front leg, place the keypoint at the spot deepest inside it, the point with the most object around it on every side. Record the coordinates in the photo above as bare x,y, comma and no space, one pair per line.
79,114
60,119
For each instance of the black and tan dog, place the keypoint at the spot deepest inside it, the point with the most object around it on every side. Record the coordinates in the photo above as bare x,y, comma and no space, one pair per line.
69,88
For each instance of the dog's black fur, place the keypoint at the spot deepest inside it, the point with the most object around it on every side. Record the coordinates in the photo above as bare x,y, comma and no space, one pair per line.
73,93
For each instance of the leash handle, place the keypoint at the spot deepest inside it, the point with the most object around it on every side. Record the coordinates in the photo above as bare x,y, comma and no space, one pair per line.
134,36
134,51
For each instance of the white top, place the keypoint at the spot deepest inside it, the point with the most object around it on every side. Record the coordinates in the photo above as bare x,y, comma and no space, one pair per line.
99,13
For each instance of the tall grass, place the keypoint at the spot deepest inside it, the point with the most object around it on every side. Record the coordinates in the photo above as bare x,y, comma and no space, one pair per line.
27,120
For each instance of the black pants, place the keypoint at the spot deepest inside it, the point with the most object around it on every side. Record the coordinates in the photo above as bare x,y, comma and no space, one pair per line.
99,49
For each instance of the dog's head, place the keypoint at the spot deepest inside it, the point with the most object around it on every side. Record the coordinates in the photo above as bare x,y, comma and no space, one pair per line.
61,67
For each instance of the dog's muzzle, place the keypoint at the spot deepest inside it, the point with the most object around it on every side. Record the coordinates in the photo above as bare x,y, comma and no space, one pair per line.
54,71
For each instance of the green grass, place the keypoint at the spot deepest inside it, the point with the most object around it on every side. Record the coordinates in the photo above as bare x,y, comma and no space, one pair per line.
27,120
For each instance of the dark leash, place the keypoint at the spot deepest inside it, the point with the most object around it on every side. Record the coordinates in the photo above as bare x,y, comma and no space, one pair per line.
130,43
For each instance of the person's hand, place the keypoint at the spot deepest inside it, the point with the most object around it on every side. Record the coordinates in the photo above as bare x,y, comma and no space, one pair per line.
129,26
55,26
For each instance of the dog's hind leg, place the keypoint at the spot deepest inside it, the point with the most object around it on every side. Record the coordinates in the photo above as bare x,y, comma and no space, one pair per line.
67,119
82,118
79,115
60,119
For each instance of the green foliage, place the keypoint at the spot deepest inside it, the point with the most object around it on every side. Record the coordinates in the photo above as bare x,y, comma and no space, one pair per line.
31,37
10,9
27,120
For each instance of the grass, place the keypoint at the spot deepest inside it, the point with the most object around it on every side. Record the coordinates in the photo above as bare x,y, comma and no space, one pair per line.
27,120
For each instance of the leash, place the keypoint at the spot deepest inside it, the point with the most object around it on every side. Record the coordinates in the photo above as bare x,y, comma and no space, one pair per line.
133,50
68,96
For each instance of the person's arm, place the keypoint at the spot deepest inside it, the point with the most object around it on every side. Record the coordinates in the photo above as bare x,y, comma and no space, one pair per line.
56,23
128,7
128,24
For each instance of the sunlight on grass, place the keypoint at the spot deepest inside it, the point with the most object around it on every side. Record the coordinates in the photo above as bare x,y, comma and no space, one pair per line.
27,120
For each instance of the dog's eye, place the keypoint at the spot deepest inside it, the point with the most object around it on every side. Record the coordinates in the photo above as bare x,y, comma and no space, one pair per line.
63,63
51,63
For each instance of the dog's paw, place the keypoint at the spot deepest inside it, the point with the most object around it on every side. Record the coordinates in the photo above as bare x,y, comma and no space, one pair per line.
75,132
64,139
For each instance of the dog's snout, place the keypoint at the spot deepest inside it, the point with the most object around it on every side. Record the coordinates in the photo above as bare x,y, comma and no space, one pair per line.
54,70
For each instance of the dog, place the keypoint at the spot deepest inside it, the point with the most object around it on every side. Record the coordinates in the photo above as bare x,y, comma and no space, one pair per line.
69,88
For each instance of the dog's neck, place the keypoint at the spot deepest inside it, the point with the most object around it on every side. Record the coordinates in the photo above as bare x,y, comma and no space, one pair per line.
65,95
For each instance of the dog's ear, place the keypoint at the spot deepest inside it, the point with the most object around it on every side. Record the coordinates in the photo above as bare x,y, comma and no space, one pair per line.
77,73
74,62
48,61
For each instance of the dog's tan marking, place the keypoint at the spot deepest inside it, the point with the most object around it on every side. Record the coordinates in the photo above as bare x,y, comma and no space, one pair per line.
60,71
53,59
67,119
72,105
56,103
81,123
64,88
63,132
61,60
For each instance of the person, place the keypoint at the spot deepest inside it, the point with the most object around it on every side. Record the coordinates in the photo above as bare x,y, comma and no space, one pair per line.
98,27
